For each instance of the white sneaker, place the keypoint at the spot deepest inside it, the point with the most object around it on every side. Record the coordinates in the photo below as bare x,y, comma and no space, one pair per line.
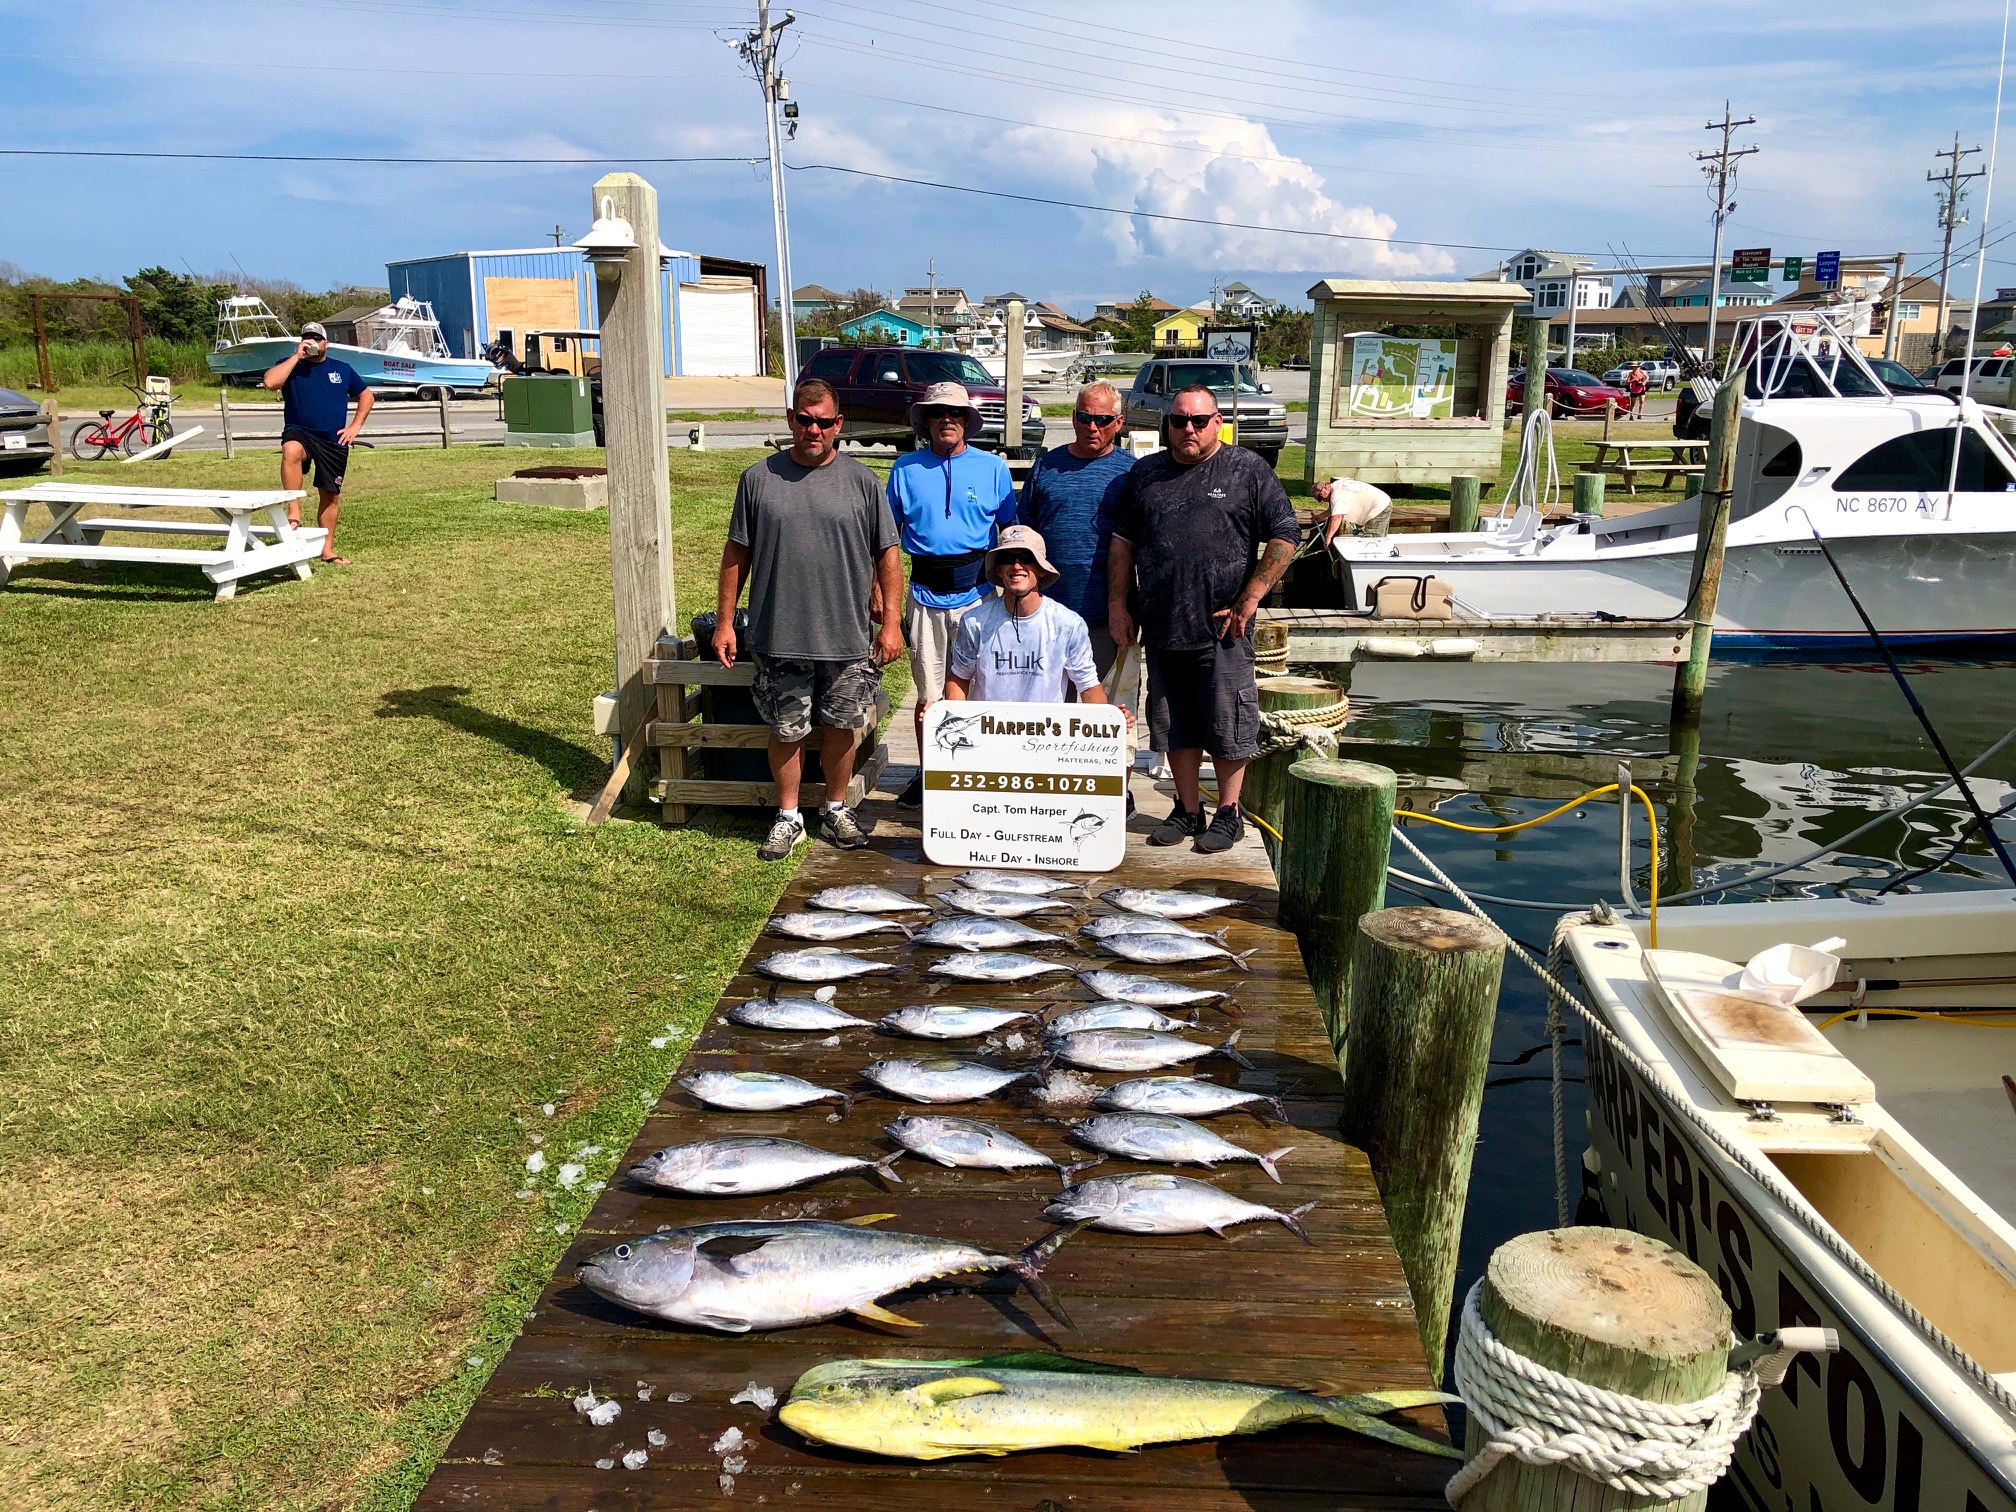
783,839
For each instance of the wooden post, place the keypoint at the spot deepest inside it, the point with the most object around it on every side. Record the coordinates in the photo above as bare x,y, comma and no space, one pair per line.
1266,789
1611,1309
1424,996
1011,382
1589,494
55,414
1536,365
1711,530
1336,828
1609,414
640,483
1466,497
45,371
224,420
441,398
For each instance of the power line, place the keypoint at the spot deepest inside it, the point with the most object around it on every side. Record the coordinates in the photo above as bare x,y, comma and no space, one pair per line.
1720,167
1950,219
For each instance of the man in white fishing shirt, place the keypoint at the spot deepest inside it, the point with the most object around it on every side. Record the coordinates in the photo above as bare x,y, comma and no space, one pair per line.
1019,647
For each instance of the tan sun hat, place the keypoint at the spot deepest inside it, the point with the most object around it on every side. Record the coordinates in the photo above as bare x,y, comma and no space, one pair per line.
947,396
1021,538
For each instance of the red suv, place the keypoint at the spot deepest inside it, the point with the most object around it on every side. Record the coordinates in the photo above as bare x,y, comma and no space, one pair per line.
1570,391
877,386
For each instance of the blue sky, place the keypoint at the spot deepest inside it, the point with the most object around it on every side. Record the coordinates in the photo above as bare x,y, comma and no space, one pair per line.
1477,126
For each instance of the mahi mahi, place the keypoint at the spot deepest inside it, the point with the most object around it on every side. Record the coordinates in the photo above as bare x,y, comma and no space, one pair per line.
1154,1202
935,1409
780,1273
748,1165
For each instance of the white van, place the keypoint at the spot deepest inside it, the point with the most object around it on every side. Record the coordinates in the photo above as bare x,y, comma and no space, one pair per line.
1991,381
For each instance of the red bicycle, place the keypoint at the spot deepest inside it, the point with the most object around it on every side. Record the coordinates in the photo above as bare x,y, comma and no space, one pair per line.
147,426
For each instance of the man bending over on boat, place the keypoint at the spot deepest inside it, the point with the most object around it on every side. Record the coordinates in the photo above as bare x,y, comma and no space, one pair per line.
316,430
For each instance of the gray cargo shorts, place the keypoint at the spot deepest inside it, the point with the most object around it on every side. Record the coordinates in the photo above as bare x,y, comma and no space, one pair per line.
792,695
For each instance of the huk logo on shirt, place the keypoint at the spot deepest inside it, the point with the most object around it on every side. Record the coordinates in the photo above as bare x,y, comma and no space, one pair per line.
1011,660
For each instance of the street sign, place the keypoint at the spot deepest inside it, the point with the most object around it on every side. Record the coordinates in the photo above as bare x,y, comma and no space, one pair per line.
1019,784
1795,269
1750,265
1827,268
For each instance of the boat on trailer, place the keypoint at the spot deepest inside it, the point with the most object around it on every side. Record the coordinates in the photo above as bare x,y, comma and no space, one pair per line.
398,346
1832,1163
1911,492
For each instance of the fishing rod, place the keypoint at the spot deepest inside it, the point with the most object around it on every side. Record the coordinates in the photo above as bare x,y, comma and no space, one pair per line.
1981,816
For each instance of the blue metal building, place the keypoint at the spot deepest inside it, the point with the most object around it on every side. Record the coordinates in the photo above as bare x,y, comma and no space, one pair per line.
714,307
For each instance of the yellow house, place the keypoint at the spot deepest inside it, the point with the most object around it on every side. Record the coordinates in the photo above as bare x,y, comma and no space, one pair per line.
1182,328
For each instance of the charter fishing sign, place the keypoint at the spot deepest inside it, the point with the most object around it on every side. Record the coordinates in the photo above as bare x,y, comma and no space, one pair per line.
1017,784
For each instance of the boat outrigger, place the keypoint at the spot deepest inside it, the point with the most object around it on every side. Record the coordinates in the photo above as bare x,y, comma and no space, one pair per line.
1834,1163
399,346
1910,490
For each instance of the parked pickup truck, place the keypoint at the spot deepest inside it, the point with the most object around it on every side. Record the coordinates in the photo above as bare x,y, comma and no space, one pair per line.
1262,420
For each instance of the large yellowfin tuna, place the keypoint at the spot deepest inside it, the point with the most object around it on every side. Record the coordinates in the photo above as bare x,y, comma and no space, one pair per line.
935,1409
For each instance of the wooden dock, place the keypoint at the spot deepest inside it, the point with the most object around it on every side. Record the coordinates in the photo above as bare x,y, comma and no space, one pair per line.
1331,637
1262,1306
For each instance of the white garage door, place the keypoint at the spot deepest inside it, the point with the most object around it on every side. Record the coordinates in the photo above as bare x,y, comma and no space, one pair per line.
717,329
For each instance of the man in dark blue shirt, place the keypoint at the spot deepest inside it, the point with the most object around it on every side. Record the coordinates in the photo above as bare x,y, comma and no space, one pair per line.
1070,498
316,430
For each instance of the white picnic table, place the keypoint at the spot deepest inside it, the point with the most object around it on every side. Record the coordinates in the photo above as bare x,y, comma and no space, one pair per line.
248,546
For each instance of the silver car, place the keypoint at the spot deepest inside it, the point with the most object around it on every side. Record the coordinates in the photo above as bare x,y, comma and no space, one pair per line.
1262,420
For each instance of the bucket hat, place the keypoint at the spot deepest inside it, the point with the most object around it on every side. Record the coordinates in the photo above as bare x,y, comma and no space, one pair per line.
1021,538
947,396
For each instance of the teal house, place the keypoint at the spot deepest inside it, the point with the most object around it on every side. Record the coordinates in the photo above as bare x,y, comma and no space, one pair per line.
886,328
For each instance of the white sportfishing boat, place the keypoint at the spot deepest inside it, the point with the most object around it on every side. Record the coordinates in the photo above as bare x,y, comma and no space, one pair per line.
1831,1162
1911,492
398,346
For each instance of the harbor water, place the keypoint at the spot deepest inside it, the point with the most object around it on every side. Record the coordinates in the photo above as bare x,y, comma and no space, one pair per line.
1791,758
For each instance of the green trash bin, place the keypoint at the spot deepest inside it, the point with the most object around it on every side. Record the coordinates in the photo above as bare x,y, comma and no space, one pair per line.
548,409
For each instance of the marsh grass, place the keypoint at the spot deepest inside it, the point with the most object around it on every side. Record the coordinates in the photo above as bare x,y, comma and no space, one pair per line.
302,936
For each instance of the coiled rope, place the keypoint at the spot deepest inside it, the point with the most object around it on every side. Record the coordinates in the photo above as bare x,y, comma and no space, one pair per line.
1658,1450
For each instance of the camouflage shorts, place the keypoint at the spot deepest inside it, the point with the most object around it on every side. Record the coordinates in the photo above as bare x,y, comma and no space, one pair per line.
791,695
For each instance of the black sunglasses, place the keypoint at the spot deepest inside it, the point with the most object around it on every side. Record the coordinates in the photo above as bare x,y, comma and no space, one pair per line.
1193,422
1086,417
814,422
1015,559
936,413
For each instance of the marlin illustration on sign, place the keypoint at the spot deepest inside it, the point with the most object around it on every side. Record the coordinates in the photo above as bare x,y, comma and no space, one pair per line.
953,735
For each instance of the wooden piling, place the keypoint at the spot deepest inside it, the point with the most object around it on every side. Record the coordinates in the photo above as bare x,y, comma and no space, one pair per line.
1336,829
1011,382
224,420
55,413
1612,1309
1589,494
1536,364
1711,530
1266,787
441,398
1424,995
1466,497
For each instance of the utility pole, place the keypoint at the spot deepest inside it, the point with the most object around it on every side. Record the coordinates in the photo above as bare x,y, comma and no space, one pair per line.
1720,168
558,235
759,51
931,273
1953,192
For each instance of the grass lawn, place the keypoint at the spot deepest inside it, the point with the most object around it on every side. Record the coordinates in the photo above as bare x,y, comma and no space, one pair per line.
302,942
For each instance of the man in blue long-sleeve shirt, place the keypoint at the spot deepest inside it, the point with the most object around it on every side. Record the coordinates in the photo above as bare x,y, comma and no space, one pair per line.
1070,497
948,500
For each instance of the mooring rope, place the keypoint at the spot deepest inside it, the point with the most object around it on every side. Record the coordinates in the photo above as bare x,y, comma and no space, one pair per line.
1658,1450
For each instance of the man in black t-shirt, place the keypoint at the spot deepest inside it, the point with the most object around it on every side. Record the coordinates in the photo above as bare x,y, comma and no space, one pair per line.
316,429
1190,523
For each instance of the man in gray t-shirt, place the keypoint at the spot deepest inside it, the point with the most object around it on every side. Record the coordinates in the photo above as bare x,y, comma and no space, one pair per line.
813,539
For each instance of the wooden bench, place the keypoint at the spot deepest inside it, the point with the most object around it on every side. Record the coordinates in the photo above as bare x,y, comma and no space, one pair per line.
1683,459
686,722
252,522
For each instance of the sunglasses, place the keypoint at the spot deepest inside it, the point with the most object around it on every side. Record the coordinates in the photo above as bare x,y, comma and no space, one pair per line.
815,422
1016,559
944,414
1086,417
1194,422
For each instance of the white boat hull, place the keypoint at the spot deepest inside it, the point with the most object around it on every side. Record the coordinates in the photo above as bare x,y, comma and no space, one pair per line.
379,369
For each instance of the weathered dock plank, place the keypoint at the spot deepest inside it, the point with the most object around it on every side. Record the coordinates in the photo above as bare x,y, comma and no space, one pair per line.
1261,1306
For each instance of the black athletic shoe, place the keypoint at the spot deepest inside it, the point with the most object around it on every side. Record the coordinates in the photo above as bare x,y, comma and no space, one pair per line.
1178,827
913,795
1228,827
840,829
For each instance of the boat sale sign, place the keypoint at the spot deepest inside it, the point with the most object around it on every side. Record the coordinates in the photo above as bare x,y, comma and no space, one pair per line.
1022,784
